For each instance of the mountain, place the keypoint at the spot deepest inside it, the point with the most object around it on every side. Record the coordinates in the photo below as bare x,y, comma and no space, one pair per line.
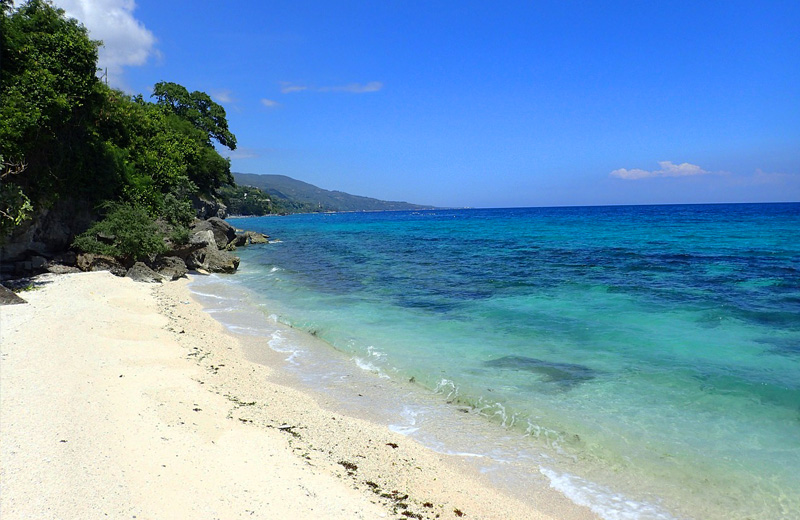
285,188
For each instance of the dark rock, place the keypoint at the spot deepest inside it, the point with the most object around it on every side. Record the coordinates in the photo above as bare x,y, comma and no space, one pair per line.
92,262
247,237
223,232
170,267
239,241
184,250
24,267
49,231
38,263
8,297
221,262
197,259
141,273
253,237
212,260
205,208
67,258
62,269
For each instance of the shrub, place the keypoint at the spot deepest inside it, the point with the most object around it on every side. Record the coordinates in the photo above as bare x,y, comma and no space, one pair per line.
127,231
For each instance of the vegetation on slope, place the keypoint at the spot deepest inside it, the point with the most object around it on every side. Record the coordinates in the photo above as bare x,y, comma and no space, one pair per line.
66,135
306,197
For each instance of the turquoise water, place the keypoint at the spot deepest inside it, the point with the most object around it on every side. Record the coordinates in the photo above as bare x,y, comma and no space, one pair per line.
650,351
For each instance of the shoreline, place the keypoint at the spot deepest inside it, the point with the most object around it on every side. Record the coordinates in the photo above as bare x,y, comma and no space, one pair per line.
140,391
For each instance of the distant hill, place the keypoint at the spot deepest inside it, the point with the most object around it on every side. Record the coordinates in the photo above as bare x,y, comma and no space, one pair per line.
285,188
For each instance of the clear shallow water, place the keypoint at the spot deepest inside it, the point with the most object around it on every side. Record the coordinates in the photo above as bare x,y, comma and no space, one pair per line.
648,351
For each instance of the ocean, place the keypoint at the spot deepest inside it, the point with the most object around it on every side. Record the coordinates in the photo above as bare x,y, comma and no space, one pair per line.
642,360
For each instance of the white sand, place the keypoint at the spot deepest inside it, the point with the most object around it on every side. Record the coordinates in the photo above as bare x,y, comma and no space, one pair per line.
125,400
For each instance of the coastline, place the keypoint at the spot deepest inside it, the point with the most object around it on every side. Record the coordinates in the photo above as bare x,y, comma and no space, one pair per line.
109,384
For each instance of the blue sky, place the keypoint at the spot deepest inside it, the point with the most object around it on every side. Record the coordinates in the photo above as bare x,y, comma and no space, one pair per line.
486,104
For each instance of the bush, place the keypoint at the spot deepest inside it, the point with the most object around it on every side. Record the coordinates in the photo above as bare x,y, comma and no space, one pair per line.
126,232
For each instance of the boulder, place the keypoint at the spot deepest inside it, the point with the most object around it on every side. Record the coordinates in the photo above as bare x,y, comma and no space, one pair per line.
205,208
212,260
222,262
170,267
223,232
8,297
49,231
253,237
66,258
203,238
141,273
62,269
92,262
247,237
194,243
38,263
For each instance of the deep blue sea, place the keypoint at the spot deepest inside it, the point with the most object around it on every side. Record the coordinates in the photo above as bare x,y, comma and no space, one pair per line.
645,358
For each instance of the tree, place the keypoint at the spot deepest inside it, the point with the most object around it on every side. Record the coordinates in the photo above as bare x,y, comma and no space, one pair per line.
198,109
48,92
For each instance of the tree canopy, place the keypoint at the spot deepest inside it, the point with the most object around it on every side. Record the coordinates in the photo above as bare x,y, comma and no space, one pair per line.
65,134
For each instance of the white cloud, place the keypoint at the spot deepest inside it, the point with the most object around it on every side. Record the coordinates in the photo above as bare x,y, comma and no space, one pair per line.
223,95
126,41
287,88
668,169
355,88
269,103
352,88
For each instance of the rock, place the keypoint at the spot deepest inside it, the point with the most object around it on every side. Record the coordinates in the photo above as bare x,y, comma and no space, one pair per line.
141,273
8,297
213,260
203,238
170,267
205,208
67,258
184,250
62,269
248,237
223,232
48,231
38,263
197,259
253,237
239,241
92,262
222,262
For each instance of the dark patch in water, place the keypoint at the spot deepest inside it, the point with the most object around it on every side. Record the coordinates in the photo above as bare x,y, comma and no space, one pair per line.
566,374
782,345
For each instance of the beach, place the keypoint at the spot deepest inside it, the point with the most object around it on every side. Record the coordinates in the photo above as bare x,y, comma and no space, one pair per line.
126,400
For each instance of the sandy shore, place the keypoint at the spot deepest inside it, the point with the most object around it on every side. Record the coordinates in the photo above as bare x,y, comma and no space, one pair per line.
125,400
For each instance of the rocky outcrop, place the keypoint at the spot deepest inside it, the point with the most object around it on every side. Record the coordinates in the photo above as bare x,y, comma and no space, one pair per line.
92,262
206,208
207,250
213,260
8,297
48,233
247,237
142,273
170,267
223,232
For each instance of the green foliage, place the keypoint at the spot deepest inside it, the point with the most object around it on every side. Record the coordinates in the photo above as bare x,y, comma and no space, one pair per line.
198,109
178,212
246,200
127,231
49,89
65,134
15,206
